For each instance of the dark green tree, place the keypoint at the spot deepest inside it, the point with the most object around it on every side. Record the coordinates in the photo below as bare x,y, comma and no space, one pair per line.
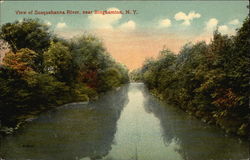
28,33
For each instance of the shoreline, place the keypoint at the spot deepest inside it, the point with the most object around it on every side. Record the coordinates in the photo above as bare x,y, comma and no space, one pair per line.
202,117
30,116
22,120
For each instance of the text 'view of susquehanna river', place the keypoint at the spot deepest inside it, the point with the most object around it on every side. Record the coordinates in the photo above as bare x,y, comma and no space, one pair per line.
127,124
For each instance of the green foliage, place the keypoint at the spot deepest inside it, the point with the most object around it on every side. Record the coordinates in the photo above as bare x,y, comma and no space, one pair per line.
47,90
29,33
95,65
83,93
20,93
110,78
58,62
135,75
209,80
11,91
23,60
89,53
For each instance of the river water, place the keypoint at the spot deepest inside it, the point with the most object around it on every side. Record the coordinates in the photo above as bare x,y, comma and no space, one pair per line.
128,124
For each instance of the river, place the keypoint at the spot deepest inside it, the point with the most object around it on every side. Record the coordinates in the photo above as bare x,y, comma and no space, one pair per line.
127,124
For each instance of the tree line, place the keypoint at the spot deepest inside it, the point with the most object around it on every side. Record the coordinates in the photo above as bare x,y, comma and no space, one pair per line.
42,70
210,81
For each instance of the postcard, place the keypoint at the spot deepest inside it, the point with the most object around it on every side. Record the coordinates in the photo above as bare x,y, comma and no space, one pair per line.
124,80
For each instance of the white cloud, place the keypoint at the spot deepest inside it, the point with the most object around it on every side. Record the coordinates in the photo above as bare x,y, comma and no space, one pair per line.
209,28
223,29
104,21
187,18
61,25
234,22
211,24
164,23
130,25
49,23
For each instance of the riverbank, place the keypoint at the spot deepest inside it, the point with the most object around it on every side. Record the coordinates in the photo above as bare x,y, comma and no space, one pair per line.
230,126
20,120
27,117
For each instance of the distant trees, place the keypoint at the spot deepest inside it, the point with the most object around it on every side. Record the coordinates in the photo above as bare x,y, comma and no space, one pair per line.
42,70
135,75
211,81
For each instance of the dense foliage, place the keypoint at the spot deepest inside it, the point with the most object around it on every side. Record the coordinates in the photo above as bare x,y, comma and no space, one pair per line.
210,81
42,70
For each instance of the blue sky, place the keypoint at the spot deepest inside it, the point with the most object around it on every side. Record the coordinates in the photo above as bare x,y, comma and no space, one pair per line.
158,23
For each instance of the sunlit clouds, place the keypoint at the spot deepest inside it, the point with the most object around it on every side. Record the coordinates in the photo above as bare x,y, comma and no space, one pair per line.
234,22
223,29
101,21
164,23
61,25
211,24
48,23
108,21
186,18
130,25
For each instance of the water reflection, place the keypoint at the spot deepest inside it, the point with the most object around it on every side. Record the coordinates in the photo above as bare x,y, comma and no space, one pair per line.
70,132
138,135
196,141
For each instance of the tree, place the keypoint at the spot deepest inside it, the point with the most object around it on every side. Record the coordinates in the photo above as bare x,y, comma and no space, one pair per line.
22,61
92,62
58,62
89,53
110,79
28,33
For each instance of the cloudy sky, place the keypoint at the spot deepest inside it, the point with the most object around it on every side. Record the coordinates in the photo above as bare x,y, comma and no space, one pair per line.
130,38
